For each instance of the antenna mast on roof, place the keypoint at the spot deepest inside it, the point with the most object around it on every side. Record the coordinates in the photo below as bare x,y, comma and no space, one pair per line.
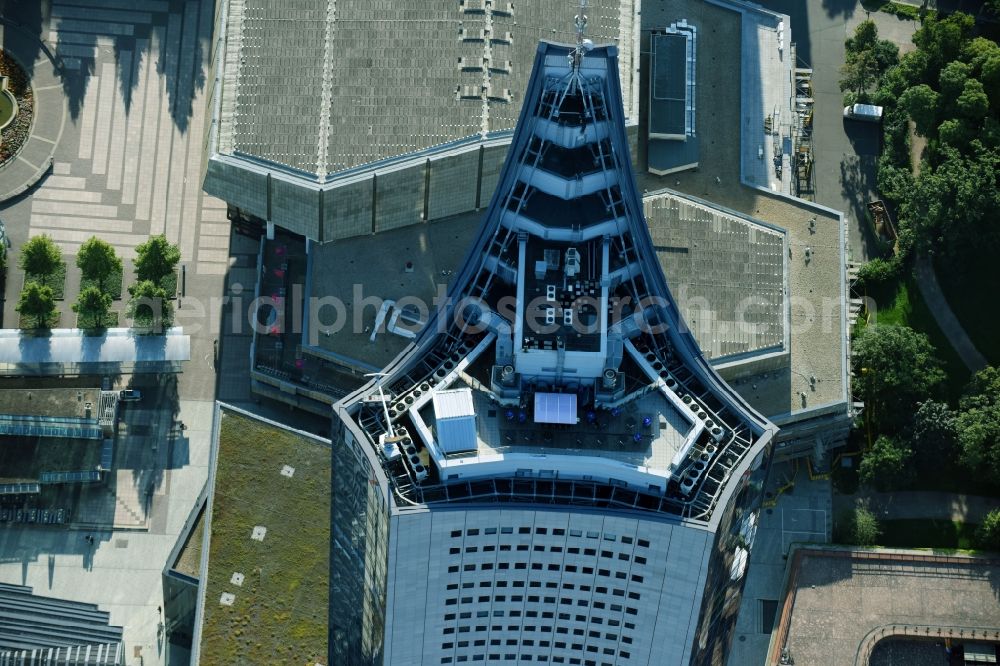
582,43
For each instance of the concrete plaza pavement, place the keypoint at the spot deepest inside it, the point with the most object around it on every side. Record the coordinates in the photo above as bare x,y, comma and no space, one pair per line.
127,165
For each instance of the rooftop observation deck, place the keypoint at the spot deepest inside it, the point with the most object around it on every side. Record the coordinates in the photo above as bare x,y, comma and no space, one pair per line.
645,433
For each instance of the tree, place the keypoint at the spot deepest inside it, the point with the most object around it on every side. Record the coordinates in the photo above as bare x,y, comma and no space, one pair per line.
933,436
955,133
149,306
886,465
988,533
97,260
92,305
40,256
895,367
867,59
865,529
155,259
953,78
921,103
950,207
942,40
978,426
36,302
989,74
973,102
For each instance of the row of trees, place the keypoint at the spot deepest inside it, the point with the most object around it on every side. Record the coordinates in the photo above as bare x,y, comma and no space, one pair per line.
899,377
99,265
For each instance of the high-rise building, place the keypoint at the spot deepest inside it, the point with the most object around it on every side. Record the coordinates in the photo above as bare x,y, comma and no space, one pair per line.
552,472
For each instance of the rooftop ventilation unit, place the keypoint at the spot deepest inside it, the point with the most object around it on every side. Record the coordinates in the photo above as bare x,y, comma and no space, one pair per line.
455,421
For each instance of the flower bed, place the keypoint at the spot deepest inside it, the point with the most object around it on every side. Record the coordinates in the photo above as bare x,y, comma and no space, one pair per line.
17,132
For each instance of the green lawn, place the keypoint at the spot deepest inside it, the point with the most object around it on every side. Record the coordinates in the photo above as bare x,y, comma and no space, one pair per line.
900,9
55,281
927,534
25,458
280,612
900,303
912,533
112,285
7,107
972,296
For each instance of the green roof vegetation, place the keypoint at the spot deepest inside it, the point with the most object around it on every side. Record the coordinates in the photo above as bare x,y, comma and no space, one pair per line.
25,458
279,614
189,560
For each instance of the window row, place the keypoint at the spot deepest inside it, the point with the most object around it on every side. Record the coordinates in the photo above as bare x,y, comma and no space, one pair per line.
539,566
554,531
551,585
578,631
530,642
538,548
513,658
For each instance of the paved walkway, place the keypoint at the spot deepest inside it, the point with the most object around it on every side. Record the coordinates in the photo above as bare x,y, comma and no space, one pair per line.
34,159
800,516
945,318
923,504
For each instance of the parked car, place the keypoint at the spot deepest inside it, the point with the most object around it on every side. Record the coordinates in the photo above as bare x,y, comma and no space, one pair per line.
868,112
130,395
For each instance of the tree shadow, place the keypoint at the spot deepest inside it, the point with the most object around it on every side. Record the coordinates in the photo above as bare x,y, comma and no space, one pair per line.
25,38
164,444
858,187
840,8
181,35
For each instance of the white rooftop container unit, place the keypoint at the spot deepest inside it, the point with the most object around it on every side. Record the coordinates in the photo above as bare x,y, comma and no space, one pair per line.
455,421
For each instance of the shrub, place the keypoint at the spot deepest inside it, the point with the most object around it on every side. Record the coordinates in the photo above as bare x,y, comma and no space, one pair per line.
878,271
865,528
988,533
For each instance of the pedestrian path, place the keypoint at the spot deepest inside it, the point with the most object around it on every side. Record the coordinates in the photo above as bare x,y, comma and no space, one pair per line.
917,504
945,318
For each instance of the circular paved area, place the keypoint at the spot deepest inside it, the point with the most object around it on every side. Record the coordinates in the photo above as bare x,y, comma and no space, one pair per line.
51,110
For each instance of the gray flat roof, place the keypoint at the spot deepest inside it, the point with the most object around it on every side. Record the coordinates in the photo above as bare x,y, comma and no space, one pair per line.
727,272
668,79
323,92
